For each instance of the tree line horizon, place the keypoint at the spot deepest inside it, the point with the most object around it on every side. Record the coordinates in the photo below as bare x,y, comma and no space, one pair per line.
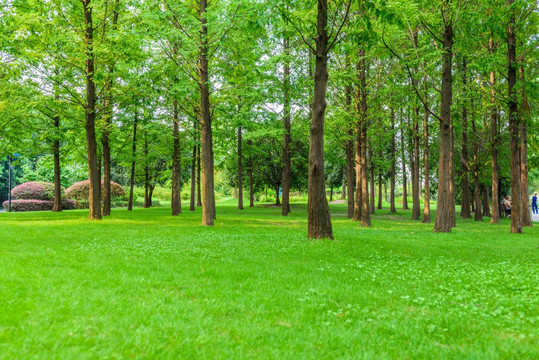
244,85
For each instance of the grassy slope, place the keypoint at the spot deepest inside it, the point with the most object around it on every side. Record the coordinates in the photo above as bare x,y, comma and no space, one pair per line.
144,284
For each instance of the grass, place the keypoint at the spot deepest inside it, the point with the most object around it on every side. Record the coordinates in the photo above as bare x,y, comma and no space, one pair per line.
147,285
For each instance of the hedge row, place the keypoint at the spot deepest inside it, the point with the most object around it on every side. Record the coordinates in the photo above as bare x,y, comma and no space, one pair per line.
38,205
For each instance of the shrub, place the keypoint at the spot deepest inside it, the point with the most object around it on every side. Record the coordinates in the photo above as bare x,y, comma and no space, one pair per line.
80,191
38,205
34,190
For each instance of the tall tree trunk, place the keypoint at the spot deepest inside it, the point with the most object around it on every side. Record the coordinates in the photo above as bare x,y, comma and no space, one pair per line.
319,219
208,203
365,211
379,207
358,201
146,173
57,207
372,194
416,206
133,163
526,216
349,152
465,205
251,190
343,188
286,130
495,219
514,125
193,179
277,199
176,202
393,209
94,197
426,201
404,177
443,221
478,215
240,171
452,208
107,126
486,206
199,170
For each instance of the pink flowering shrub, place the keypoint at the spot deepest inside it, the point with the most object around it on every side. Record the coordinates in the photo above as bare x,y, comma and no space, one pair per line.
38,205
34,190
80,191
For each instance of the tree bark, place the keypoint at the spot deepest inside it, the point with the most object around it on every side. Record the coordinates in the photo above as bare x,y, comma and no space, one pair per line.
465,205
319,220
286,131
133,163
393,209
94,197
57,207
199,170
486,207
251,190
349,152
372,194
277,199
208,203
526,216
146,173
193,179
379,206
478,215
240,171
495,219
176,202
365,213
426,201
514,125
443,222
404,177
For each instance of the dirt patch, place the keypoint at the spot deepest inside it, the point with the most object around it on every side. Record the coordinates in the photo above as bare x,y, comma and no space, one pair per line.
340,201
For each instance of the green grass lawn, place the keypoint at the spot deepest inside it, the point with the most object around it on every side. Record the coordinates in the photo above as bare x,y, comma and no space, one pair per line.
147,285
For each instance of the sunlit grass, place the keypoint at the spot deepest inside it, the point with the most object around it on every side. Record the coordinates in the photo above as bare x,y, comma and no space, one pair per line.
148,285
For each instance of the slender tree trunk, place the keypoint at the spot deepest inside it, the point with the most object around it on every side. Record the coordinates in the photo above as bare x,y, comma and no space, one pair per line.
193,179
133,163
251,190
393,209
478,215
57,207
240,171
443,221
416,206
526,216
349,152
331,193
107,126
495,219
286,131
465,205
371,183
379,207
358,169
150,194
199,170
176,202
452,208
426,201
146,173
277,199
208,204
486,202
319,219
404,177
514,126
94,197
343,188
365,211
